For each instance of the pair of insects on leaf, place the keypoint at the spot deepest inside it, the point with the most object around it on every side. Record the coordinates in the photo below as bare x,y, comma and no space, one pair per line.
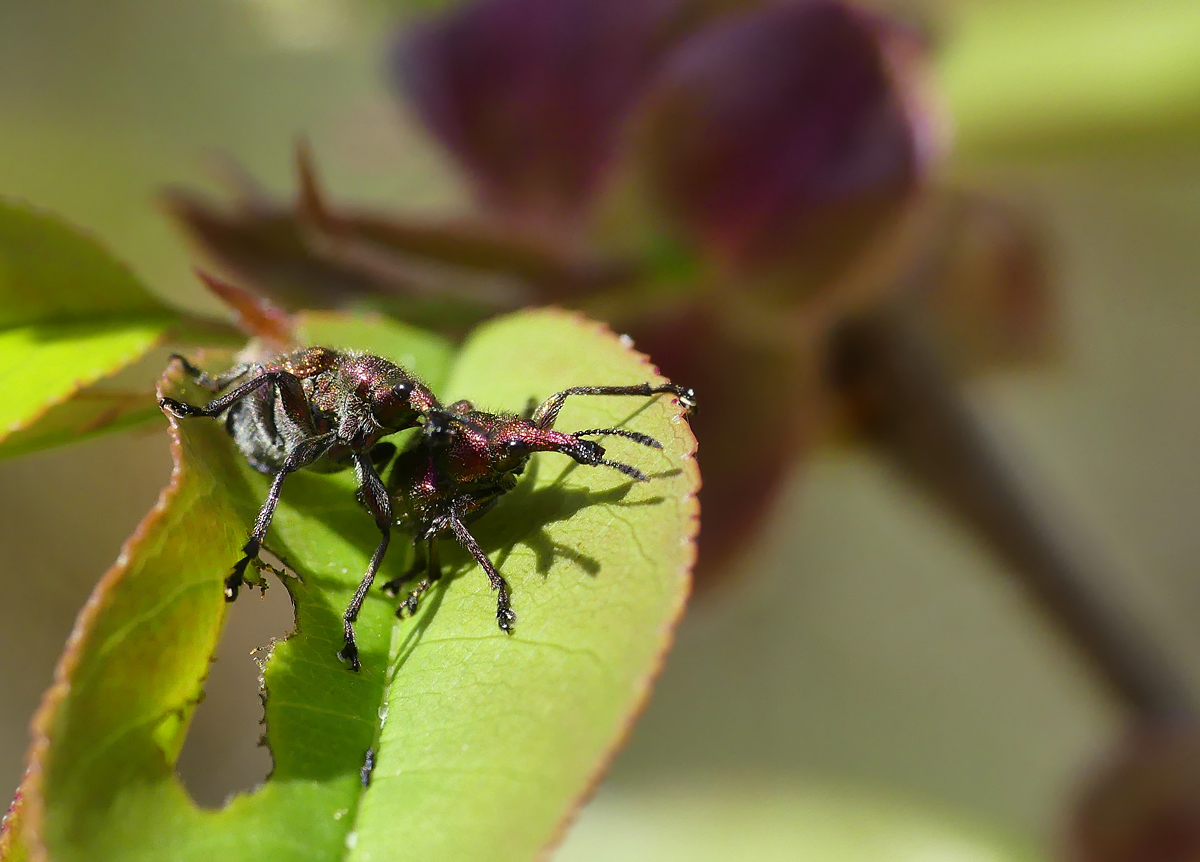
329,410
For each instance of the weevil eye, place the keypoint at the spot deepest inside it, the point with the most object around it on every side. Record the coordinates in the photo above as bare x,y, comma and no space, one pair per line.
515,447
393,405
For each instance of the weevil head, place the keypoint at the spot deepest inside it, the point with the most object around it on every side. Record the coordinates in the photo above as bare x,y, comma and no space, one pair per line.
472,446
396,398
397,405
512,443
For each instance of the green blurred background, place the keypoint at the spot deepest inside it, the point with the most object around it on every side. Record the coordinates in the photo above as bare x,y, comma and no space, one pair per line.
872,686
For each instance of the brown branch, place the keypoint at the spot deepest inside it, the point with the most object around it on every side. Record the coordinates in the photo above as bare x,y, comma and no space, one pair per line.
912,409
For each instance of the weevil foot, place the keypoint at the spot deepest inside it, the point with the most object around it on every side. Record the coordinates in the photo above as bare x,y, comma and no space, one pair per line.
349,653
506,618
180,409
409,605
238,576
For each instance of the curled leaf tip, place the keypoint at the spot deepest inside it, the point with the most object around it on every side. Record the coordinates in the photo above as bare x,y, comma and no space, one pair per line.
256,315
310,201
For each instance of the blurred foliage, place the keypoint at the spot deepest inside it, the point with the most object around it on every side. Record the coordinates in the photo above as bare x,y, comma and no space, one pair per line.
69,316
769,821
1070,79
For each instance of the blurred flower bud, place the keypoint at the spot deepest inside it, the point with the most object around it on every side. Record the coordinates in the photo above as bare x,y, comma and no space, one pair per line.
781,135
531,95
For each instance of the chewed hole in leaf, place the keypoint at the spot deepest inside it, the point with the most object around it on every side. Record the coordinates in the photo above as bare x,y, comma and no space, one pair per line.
225,752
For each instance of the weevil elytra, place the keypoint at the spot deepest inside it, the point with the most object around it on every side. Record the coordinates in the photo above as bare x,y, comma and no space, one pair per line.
327,410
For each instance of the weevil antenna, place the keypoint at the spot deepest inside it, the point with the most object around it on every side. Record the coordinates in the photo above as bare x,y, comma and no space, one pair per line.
644,439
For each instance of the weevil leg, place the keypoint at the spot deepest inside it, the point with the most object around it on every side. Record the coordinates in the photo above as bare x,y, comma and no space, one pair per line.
291,392
470,506
548,410
505,618
205,380
376,497
433,571
303,455
393,587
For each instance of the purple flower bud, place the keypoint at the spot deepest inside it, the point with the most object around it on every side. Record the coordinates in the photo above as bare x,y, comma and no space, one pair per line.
781,134
531,95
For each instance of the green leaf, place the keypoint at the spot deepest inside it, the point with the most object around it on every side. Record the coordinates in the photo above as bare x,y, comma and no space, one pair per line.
485,742
1072,77
70,315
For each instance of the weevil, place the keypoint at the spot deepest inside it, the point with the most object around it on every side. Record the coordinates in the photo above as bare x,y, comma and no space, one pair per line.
467,459
327,410
317,409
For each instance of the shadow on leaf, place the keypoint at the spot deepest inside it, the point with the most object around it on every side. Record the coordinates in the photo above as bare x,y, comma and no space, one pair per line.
524,515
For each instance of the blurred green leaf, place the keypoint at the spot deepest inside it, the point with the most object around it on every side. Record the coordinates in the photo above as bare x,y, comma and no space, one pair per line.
1072,77
775,820
90,411
485,742
70,315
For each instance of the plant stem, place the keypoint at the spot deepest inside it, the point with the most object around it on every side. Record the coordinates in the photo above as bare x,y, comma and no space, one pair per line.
912,409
